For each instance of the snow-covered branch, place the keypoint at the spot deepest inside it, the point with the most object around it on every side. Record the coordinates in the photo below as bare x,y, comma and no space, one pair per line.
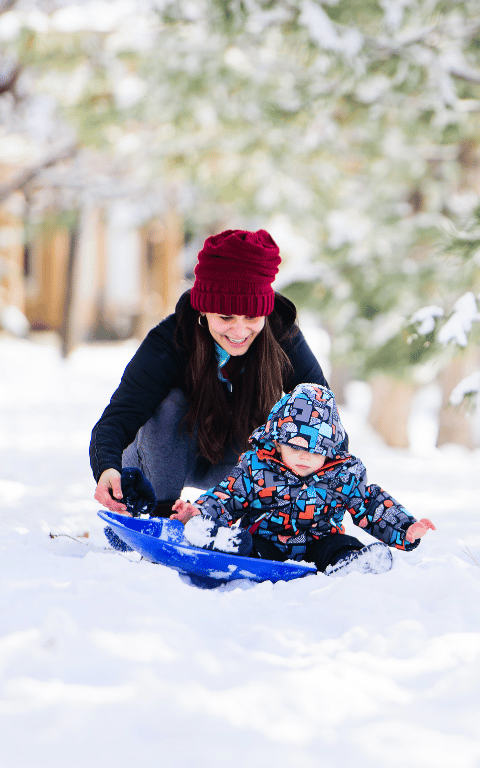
25,176
456,328
468,74
459,325
426,319
467,387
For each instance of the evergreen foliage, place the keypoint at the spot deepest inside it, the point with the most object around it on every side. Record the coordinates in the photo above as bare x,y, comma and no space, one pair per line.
350,125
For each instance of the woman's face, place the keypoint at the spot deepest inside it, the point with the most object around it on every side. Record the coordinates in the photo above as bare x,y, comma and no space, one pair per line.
234,333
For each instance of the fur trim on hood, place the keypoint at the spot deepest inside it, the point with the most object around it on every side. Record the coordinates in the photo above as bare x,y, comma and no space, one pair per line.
307,419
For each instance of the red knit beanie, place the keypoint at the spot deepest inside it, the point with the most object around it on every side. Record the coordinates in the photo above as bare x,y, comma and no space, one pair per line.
235,272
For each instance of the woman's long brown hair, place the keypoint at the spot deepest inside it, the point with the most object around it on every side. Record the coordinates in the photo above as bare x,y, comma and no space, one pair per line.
257,377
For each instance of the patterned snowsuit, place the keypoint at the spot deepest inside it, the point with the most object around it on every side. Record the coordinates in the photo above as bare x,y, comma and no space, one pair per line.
291,511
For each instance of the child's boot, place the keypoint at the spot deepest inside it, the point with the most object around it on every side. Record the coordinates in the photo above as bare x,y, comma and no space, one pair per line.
374,558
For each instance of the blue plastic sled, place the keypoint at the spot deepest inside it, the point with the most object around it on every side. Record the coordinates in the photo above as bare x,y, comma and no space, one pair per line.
161,540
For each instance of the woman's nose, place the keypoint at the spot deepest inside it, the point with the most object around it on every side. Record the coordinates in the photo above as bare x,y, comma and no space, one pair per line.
239,329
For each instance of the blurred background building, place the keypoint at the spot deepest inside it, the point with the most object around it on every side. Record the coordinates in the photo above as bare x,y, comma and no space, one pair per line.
132,129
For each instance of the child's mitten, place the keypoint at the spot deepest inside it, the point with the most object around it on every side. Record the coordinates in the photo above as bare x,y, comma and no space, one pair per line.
204,532
138,494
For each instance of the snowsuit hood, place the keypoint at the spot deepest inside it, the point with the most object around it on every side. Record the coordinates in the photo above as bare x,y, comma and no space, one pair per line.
306,419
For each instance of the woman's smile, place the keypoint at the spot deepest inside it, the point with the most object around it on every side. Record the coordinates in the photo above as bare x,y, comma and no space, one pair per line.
234,333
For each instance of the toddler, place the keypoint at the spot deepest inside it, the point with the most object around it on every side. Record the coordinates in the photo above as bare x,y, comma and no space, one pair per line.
286,498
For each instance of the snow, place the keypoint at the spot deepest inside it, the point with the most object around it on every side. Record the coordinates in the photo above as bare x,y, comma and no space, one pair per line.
467,386
198,531
100,15
426,317
108,660
323,31
456,330
13,320
458,326
346,226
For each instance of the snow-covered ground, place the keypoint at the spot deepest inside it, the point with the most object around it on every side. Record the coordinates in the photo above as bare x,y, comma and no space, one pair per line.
111,661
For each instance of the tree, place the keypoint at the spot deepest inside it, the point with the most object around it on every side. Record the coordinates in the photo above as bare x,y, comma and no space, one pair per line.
343,127
349,122
452,329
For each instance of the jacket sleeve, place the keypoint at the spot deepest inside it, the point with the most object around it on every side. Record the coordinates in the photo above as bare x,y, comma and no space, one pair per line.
229,500
379,514
154,370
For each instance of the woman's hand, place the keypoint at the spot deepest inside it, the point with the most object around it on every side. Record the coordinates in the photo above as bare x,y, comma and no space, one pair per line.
419,529
184,511
110,485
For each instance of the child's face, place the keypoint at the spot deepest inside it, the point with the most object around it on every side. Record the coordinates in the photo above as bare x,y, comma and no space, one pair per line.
303,463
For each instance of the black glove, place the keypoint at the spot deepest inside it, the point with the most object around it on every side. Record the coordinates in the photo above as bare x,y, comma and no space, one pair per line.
138,494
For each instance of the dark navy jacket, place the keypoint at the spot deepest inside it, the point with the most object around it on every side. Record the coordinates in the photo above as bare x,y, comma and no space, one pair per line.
159,366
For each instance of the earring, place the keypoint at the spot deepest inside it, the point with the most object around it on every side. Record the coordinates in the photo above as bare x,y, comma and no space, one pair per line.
202,325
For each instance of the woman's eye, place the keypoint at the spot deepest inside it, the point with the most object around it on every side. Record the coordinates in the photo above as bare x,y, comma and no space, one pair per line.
225,319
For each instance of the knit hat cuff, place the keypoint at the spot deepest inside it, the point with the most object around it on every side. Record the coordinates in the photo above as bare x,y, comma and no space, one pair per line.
204,299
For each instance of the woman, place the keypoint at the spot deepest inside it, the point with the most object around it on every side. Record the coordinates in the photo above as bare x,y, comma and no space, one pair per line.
223,359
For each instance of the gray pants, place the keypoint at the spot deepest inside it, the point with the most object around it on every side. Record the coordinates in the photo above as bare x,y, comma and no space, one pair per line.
168,455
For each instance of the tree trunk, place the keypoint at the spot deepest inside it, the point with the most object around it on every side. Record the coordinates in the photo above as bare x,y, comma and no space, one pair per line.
338,379
455,422
162,272
390,409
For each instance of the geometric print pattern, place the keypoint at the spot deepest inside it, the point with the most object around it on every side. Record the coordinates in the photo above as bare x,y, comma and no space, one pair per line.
291,511
307,419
